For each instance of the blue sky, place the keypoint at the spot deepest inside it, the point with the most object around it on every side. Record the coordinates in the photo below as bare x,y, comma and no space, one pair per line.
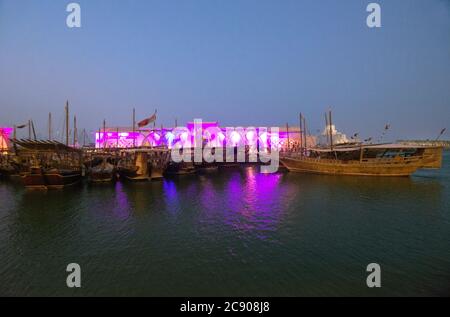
241,62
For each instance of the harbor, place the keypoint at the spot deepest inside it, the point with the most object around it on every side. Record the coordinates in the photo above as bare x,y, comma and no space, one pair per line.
145,154
230,155
234,231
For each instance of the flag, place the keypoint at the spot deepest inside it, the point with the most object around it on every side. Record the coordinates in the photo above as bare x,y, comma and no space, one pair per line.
387,126
146,121
442,131
21,126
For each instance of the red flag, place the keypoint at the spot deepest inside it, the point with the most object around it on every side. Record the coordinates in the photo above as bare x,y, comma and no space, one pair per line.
146,121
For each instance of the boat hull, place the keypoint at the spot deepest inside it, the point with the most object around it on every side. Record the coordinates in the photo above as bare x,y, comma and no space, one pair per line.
56,180
102,177
432,157
354,168
33,180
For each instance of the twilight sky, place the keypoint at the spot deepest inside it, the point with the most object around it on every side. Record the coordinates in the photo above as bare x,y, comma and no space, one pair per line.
241,62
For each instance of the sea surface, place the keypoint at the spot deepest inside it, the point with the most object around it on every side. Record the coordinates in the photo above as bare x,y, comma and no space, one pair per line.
230,233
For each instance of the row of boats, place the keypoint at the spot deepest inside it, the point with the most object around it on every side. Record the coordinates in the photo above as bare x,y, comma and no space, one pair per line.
51,164
44,164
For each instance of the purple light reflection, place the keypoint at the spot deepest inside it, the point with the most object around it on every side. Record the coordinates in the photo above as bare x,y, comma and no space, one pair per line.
123,208
249,202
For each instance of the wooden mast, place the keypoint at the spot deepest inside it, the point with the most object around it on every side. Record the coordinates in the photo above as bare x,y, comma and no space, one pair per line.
29,129
117,138
34,131
301,135
331,131
326,127
304,134
67,122
75,131
50,126
287,132
104,133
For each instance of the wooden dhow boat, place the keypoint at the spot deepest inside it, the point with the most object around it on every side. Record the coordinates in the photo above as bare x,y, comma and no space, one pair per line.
133,166
364,160
48,164
103,172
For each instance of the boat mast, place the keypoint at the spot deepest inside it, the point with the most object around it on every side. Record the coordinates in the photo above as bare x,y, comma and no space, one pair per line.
326,127
34,131
67,122
104,133
50,126
117,138
74,130
301,135
287,131
331,131
304,134
29,129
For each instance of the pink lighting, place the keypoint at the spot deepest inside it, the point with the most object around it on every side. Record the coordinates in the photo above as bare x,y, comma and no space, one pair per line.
235,137
4,138
211,134
250,135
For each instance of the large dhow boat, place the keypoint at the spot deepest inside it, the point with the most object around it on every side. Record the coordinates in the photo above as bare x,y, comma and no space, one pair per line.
388,159
364,160
48,164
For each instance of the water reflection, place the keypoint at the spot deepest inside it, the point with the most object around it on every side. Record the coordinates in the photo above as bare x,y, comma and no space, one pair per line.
123,207
250,231
245,200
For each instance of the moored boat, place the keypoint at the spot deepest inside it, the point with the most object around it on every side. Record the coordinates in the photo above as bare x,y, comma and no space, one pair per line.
363,160
134,166
34,179
57,178
104,172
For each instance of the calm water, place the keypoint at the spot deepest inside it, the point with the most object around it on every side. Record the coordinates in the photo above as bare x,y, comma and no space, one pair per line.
231,233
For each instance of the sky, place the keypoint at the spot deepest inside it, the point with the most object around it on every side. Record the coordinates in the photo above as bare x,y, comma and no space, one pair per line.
239,62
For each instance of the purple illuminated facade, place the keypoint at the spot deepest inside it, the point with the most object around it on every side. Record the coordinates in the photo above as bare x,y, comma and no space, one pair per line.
4,138
212,135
